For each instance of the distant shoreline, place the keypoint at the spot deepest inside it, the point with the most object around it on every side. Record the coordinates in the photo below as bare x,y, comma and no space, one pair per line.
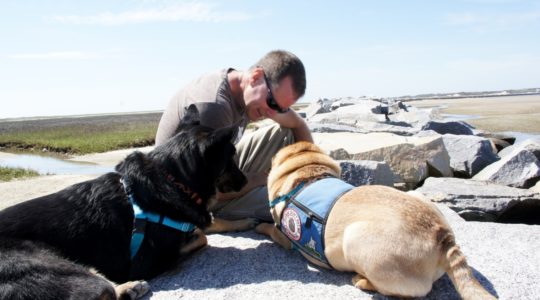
500,114
517,113
16,119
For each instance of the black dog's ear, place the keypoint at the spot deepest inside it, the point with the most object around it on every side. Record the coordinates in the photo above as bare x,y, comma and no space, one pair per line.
224,134
191,116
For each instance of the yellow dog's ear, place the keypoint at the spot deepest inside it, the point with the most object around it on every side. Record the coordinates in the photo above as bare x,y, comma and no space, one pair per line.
294,149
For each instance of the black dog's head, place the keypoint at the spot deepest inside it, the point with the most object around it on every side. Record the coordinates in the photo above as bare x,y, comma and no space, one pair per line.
201,157
178,178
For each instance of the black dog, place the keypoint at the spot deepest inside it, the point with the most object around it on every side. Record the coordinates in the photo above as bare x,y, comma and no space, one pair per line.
132,224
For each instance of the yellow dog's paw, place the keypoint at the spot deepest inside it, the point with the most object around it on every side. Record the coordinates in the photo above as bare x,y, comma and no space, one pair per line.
361,282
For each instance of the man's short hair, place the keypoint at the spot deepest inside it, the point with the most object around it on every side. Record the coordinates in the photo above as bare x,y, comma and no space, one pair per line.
279,64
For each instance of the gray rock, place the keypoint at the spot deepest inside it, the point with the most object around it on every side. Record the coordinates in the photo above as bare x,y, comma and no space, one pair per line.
536,188
361,116
341,102
484,201
349,114
366,172
330,127
452,127
412,161
468,154
320,106
360,126
519,168
530,145
499,144
499,136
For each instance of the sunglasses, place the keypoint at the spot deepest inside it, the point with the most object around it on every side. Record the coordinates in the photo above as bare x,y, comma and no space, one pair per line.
271,102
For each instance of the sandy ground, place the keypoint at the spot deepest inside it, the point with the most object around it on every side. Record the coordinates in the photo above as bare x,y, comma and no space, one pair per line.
495,114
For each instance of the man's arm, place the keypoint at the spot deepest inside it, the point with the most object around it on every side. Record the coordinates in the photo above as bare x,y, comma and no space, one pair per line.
299,127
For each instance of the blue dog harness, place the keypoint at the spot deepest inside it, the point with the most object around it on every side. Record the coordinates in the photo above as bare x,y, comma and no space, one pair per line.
306,211
141,217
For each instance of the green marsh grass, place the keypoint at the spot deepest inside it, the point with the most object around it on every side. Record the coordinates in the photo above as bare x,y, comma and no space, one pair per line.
80,135
7,174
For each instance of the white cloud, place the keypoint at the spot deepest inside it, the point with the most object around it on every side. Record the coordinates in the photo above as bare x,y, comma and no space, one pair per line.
61,55
188,12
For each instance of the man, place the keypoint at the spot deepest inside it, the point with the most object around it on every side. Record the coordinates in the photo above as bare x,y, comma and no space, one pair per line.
267,90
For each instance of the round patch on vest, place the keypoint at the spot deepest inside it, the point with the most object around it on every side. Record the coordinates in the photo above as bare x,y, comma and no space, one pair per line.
291,224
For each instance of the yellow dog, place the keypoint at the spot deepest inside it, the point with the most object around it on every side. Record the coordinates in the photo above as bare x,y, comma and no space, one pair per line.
396,244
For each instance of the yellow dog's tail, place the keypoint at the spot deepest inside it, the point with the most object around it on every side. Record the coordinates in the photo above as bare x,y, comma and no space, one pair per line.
459,271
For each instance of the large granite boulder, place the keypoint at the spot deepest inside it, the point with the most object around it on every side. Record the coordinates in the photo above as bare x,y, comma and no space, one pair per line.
321,106
509,139
518,168
412,159
347,101
498,140
451,127
361,115
366,172
349,114
330,127
484,201
536,188
360,126
531,145
468,154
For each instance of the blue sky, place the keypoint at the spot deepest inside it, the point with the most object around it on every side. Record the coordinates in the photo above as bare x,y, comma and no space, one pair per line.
82,57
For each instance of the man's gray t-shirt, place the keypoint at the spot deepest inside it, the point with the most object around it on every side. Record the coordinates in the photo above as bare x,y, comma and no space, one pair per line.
211,93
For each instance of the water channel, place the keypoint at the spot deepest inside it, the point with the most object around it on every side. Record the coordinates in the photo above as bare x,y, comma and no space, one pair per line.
52,165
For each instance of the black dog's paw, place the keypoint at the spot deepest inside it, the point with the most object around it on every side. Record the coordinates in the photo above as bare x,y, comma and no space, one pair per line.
205,220
132,290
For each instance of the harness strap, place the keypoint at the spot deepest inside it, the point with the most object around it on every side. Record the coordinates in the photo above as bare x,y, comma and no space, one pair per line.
142,217
287,196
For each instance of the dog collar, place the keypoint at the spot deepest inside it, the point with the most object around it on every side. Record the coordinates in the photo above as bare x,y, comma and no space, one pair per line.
142,217
193,195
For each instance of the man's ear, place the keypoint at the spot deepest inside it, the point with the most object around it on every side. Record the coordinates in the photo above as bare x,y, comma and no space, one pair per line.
191,116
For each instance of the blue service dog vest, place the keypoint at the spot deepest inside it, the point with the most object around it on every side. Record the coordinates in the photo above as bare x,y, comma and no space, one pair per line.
304,218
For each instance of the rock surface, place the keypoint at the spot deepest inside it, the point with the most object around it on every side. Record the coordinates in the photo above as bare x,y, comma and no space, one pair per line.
468,154
412,159
366,172
453,127
484,201
519,168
